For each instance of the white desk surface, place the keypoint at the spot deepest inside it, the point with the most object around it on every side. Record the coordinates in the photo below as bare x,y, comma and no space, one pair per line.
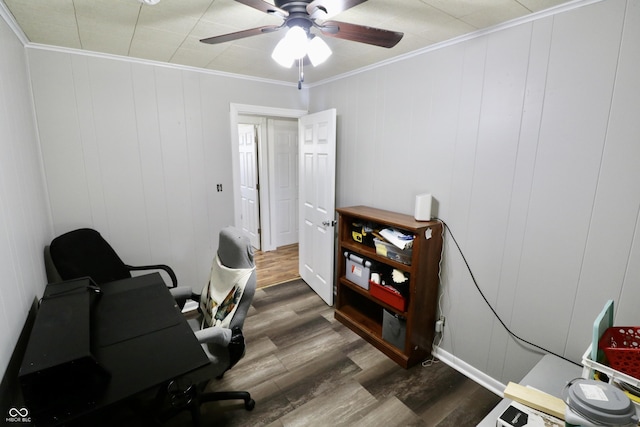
550,375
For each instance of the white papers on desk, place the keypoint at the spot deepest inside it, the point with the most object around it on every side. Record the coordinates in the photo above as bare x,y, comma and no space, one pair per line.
397,238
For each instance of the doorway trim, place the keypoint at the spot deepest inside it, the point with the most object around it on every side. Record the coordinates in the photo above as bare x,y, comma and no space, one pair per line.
236,110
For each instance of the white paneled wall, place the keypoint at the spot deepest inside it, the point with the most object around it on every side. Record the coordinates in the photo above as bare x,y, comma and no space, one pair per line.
527,136
529,139
24,217
135,150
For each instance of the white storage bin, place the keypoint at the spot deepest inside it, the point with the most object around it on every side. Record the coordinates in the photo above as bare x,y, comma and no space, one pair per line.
358,270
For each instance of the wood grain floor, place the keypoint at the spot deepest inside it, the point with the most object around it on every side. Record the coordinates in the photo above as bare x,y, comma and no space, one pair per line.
277,266
303,368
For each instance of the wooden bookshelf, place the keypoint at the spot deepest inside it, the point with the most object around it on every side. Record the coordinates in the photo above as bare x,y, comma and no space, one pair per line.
362,312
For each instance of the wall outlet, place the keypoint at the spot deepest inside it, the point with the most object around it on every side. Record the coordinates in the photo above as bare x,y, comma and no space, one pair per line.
440,325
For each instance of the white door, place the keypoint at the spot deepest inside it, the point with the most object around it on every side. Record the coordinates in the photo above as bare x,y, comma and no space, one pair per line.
283,144
248,150
317,170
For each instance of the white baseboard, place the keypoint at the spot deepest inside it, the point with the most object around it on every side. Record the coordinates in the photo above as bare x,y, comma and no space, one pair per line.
469,371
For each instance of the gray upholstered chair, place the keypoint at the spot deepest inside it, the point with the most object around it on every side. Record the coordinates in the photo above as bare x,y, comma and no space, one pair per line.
223,346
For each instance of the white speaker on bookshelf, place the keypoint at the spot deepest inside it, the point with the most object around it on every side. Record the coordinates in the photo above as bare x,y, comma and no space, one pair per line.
423,207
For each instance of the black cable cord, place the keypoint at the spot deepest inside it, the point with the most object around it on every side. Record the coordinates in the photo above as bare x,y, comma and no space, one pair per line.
489,304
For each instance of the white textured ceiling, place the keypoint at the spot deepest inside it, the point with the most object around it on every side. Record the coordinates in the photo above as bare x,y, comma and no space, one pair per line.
170,31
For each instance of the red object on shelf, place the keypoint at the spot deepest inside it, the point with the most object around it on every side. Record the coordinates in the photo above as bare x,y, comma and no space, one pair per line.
387,295
621,345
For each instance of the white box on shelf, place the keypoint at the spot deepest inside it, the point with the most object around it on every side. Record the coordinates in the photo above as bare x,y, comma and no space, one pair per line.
423,207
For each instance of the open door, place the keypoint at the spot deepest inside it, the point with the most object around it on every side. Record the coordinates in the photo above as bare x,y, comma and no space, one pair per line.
317,170
283,180
248,152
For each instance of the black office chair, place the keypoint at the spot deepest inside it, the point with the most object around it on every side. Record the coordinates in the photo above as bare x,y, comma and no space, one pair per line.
84,252
223,345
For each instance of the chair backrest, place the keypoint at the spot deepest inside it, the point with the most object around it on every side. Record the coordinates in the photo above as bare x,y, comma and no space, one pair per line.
235,251
84,252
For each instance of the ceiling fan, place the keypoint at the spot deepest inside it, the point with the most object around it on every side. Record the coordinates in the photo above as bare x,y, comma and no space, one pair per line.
302,14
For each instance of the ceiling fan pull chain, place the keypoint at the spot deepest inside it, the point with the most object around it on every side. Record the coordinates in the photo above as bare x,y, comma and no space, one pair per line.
300,73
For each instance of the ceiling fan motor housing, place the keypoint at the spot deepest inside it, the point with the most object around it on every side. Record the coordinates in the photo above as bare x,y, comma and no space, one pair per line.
288,4
298,15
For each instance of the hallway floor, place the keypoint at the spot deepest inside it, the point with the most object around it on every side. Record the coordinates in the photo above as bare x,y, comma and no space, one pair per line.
277,266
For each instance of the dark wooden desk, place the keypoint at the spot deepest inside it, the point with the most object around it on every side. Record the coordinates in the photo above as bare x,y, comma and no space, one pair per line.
140,337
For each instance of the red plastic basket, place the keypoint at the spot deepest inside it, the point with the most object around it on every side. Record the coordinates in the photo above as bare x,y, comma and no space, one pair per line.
621,346
391,297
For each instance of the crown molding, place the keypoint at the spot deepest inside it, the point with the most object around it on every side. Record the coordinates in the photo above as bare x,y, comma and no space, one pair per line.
463,38
130,59
8,17
11,22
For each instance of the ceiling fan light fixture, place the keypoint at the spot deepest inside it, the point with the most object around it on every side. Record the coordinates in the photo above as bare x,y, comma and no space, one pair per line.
318,50
297,41
149,2
292,46
282,55
296,44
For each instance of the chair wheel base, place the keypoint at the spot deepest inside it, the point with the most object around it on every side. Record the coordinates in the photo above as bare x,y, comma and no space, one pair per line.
249,404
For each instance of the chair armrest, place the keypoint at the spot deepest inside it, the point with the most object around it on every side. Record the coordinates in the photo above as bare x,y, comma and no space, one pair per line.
181,292
165,268
214,335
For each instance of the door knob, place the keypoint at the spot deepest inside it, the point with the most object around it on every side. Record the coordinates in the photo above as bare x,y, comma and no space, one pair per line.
328,223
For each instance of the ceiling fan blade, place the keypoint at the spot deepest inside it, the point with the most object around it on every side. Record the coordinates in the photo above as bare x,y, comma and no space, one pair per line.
324,9
361,33
265,7
241,34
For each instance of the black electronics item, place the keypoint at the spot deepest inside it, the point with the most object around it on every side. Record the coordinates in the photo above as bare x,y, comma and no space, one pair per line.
59,374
